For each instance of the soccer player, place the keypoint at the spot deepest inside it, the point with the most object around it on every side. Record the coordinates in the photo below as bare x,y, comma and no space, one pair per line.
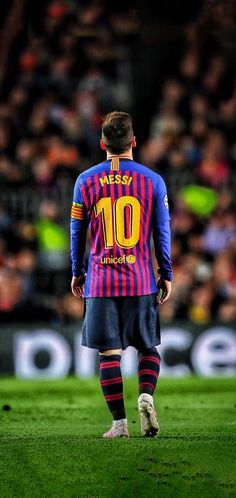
122,203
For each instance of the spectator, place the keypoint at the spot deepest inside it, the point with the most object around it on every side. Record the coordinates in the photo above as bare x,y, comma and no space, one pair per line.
14,305
81,63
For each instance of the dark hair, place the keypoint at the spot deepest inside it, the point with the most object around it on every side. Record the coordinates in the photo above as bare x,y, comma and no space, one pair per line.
117,131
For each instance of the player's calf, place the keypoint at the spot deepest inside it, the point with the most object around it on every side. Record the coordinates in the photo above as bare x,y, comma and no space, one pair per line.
112,387
148,373
148,370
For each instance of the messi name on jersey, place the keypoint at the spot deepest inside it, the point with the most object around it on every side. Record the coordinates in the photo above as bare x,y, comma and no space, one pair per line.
115,180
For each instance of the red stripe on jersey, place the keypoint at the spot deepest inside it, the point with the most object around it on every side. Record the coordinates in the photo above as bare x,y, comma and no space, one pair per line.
85,196
115,274
108,268
149,213
122,252
100,234
92,228
139,276
130,282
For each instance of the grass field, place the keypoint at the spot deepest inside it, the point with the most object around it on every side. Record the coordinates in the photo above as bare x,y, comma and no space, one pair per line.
51,443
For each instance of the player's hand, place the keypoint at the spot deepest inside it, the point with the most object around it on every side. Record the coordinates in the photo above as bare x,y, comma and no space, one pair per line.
164,290
77,286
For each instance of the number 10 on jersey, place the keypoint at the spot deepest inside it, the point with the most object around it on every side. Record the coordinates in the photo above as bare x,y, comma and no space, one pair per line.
113,220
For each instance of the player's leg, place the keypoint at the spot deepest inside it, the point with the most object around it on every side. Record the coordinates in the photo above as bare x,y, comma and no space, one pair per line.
148,373
112,388
141,329
148,370
101,330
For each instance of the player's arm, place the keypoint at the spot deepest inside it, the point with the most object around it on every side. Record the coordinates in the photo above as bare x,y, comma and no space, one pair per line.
162,239
78,232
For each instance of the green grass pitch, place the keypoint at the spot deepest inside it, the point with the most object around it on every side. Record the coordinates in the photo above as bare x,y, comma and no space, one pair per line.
51,445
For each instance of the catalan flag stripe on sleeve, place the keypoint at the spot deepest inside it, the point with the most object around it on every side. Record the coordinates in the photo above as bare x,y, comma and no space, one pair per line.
77,211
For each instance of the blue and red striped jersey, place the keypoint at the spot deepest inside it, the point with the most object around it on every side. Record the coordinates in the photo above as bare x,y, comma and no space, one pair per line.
122,203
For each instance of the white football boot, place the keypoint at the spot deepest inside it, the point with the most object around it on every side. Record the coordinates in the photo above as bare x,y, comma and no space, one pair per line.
148,416
119,428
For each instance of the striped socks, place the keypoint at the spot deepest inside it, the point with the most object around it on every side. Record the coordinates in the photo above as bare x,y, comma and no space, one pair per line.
148,370
112,385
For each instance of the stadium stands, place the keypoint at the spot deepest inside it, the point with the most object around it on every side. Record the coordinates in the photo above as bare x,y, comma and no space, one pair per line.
75,62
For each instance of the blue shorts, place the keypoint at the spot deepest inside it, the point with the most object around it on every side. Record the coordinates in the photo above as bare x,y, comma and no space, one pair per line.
119,322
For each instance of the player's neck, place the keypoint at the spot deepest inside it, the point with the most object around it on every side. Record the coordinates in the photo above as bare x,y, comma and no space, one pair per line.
126,155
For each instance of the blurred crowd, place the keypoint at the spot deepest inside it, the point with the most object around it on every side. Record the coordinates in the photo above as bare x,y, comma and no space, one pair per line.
77,67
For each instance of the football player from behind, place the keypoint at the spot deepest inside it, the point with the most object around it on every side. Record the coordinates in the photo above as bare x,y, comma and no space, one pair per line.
123,204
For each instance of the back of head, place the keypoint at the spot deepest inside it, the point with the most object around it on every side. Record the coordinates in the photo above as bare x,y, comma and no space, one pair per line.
117,132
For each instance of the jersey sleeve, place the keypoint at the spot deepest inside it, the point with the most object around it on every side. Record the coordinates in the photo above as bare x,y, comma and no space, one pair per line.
78,231
161,230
